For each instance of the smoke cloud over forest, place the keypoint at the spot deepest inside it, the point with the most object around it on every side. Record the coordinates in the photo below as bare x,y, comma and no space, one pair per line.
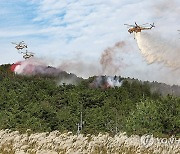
155,51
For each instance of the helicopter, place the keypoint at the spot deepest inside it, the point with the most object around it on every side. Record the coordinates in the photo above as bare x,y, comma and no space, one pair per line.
137,28
27,54
21,45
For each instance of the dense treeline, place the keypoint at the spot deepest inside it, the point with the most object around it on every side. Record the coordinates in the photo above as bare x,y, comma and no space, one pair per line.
37,103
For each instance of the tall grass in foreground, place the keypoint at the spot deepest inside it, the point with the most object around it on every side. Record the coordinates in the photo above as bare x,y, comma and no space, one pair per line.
12,142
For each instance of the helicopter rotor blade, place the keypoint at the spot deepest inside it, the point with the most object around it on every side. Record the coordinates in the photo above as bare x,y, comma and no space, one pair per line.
144,24
129,25
31,52
14,43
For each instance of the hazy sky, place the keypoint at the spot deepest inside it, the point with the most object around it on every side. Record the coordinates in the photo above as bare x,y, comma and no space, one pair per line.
60,30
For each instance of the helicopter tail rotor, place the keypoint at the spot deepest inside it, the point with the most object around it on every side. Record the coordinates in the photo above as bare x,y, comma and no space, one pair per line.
152,25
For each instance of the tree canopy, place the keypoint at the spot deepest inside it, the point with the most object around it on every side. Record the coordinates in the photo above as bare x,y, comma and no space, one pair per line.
39,104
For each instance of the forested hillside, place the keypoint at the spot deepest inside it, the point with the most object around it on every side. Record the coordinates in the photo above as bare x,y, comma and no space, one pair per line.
39,104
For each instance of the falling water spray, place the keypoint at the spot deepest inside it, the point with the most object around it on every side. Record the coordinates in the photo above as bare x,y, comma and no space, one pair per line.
158,50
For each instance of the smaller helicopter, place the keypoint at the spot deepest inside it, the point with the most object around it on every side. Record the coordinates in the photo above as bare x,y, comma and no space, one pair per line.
137,28
27,54
21,45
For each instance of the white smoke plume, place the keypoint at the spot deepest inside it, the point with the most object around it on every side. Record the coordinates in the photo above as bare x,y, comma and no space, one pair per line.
105,82
158,50
34,66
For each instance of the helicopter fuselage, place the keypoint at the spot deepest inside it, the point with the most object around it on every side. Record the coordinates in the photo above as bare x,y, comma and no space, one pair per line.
20,47
137,29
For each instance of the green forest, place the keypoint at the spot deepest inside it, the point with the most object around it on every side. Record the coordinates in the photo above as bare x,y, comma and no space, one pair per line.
37,103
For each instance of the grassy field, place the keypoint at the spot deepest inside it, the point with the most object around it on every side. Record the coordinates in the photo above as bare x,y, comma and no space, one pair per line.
12,142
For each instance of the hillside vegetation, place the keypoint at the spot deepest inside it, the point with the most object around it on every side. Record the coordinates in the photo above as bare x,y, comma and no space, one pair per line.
39,104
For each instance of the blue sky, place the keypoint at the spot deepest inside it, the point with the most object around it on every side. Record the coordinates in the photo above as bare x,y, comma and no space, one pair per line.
58,30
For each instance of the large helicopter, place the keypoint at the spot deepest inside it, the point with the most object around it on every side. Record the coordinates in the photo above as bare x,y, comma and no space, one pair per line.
21,45
27,54
137,28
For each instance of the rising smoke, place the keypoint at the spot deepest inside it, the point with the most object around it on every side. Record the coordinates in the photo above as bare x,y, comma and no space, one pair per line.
109,61
105,82
35,66
80,67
